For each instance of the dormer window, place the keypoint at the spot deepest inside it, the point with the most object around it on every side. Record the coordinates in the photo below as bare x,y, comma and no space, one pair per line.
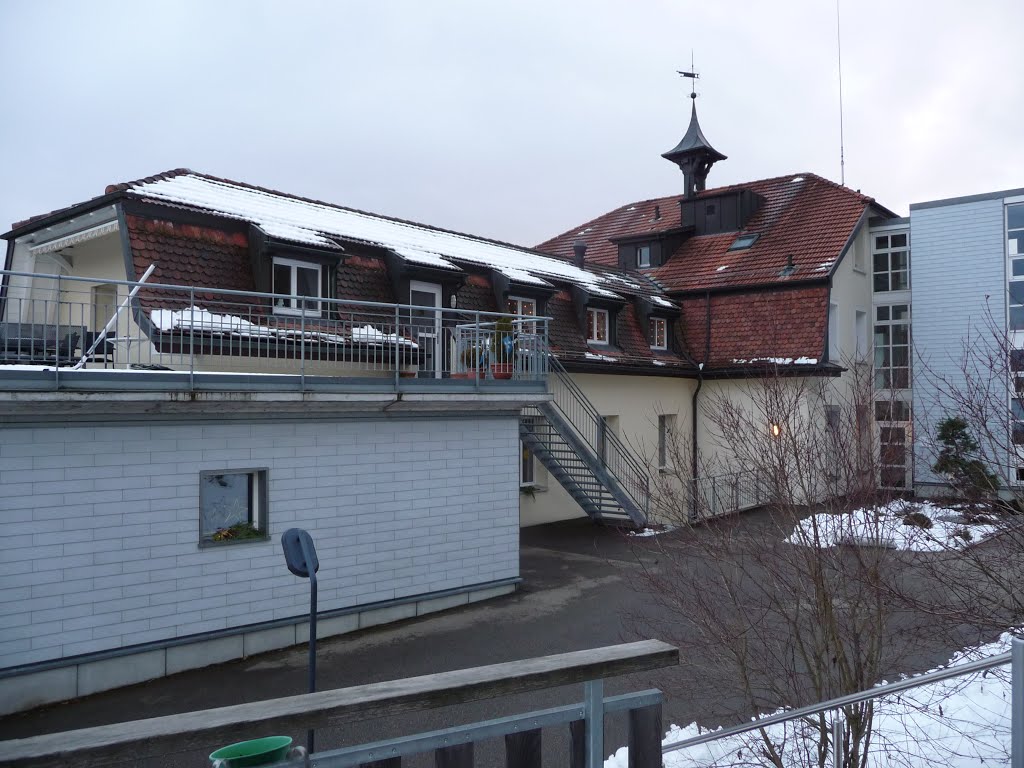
657,332
643,256
743,242
300,281
526,308
597,326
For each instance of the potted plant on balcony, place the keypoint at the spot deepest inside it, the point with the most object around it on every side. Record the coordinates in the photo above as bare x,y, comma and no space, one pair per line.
474,360
503,349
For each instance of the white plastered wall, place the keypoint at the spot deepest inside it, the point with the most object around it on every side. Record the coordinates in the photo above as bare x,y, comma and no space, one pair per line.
637,401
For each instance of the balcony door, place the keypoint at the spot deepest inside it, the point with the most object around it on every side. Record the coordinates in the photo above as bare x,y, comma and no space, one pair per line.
426,327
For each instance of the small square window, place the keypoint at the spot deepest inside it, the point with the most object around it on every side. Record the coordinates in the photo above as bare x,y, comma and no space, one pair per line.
232,506
643,256
597,326
657,328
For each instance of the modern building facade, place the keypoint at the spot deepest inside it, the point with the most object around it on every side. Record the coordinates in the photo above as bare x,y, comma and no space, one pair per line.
968,288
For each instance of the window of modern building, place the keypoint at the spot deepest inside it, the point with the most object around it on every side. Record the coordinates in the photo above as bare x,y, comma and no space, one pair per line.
300,282
1015,238
657,332
597,326
643,256
892,410
232,506
891,259
1016,289
892,346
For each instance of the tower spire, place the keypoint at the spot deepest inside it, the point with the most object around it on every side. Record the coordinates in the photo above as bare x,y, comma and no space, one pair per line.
693,154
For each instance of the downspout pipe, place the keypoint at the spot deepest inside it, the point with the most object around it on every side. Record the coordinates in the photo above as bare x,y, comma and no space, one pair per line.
694,444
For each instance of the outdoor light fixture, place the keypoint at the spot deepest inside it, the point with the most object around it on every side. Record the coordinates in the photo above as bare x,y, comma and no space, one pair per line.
776,429
300,557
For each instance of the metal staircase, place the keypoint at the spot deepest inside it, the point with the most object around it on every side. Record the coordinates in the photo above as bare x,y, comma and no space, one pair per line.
569,437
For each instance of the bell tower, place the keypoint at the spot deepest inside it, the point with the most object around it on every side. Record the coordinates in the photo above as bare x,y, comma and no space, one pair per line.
694,154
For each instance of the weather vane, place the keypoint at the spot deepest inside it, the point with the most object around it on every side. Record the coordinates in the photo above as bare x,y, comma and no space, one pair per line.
693,74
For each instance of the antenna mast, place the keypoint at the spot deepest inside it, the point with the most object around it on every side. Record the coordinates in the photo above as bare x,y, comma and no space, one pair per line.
839,52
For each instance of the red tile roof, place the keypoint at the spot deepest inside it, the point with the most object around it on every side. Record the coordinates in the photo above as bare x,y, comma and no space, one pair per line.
804,215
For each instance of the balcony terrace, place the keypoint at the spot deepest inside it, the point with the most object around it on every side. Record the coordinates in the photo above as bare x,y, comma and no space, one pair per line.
84,334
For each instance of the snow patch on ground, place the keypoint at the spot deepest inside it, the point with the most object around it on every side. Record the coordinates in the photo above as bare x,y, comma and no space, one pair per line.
958,723
646,532
884,526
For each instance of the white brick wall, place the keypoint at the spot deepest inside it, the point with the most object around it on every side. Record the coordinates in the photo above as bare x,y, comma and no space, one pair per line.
101,524
958,275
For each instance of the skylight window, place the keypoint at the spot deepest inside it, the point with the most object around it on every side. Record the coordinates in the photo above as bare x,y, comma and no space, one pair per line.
743,241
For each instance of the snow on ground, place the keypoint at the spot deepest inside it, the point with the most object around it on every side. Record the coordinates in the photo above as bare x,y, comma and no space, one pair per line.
959,723
645,532
884,526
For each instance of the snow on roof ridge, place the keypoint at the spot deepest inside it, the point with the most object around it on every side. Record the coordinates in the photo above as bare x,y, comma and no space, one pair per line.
316,222
336,206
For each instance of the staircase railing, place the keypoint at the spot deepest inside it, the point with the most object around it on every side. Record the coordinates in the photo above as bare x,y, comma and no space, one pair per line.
590,426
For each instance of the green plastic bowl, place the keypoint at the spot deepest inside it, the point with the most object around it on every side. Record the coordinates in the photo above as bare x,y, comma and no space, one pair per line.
265,751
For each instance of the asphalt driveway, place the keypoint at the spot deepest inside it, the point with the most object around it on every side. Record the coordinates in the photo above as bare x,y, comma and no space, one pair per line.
583,587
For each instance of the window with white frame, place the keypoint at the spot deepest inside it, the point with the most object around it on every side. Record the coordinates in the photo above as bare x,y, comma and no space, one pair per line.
1015,252
232,506
666,430
657,332
892,346
597,326
300,281
890,257
643,256
526,308
1015,238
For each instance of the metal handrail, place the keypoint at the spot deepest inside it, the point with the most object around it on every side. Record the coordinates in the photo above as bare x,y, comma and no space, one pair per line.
624,465
926,678
258,294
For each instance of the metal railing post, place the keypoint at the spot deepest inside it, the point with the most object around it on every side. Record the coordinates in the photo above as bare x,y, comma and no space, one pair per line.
395,337
837,739
593,715
302,353
56,360
1017,703
476,355
192,338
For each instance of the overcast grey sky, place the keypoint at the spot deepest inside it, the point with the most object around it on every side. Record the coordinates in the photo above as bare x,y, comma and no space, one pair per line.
511,120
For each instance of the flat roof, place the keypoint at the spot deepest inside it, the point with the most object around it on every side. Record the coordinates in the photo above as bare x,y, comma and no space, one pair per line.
967,199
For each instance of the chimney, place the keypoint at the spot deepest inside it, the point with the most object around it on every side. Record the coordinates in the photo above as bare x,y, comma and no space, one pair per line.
579,253
657,212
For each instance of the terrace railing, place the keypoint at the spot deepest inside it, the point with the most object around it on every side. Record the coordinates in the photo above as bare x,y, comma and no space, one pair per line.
725,494
909,729
135,743
68,324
